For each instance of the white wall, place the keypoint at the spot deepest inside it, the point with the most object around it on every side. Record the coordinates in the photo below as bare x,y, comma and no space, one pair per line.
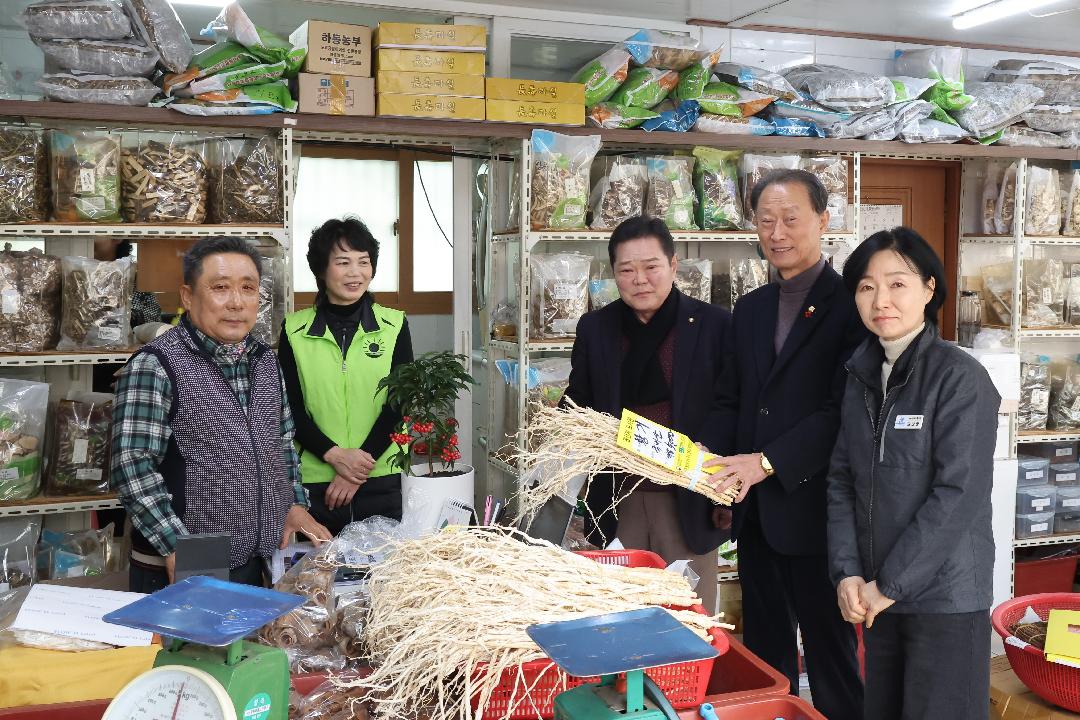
431,333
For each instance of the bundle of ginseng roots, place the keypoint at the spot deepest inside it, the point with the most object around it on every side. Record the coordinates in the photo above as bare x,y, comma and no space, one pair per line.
449,614
566,443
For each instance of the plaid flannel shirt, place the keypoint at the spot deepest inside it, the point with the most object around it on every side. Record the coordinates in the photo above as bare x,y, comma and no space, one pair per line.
141,435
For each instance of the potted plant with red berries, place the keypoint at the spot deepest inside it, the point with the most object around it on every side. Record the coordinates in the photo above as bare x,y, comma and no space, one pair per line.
425,391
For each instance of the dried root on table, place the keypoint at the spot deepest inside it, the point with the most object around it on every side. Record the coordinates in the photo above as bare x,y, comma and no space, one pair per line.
24,176
164,183
449,614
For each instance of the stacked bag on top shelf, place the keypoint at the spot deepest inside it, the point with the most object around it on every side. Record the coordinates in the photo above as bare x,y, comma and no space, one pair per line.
106,50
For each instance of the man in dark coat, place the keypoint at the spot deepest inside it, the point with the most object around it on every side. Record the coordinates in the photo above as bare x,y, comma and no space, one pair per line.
775,421
656,352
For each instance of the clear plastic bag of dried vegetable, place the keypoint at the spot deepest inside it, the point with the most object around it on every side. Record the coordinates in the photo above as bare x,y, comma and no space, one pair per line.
333,700
163,179
832,171
91,19
23,408
118,58
716,179
1005,211
560,294
85,169
103,89
159,26
271,302
79,462
1042,216
1044,294
747,276
842,89
995,106
1070,201
620,192
664,50
561,166
29,301
1064,413
24,176
97,303
1034,393
671,191
245,180
18,556
693,277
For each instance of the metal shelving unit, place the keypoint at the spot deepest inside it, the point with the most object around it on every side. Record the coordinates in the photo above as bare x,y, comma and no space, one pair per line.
1032,437
1049,540
53,506
53,359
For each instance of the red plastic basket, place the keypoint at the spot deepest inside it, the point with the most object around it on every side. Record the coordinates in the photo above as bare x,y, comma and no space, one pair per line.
532,687
1054,683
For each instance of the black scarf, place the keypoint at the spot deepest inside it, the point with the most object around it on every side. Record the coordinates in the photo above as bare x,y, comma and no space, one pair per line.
643,381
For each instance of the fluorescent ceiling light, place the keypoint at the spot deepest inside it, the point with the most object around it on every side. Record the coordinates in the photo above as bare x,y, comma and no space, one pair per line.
996,10
202,3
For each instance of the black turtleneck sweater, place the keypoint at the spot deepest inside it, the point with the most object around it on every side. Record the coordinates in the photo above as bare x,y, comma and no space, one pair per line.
344,321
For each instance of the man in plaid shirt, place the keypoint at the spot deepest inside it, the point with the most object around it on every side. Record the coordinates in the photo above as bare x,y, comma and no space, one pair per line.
202,437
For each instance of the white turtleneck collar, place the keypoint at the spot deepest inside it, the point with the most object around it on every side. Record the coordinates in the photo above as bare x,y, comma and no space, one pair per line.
893,350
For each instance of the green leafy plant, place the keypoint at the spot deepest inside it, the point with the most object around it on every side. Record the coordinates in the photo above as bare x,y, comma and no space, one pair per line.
425,390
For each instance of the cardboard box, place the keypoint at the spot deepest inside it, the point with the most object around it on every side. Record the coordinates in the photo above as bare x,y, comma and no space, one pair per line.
431,106
523,111
326,94
419,83
536,91
334,48
1010,699
430,61
469,38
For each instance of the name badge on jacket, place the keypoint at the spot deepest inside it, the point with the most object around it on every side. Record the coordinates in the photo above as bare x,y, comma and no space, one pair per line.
908,422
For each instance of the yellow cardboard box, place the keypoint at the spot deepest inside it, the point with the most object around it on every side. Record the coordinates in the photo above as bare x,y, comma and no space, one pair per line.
418,83
334,48
524,111
1063,637
536,91
432,61
326,94
430,106
445,37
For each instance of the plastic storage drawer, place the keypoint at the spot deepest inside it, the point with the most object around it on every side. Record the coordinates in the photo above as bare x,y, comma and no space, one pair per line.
1067,500
1059,452
1032,471
1065,475
1067,522
1035,499
1034,525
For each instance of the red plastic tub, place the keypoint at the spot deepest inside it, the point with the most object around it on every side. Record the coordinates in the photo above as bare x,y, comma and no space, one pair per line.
739,675
533,686
1055,575
787,707
1054,683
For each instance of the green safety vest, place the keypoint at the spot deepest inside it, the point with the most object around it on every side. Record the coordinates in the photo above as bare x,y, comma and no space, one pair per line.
341,394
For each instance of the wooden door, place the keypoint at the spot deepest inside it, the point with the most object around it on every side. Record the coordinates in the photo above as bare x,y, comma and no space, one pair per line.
929,194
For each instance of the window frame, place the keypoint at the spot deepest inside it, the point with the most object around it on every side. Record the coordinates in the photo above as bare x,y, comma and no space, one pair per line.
406,298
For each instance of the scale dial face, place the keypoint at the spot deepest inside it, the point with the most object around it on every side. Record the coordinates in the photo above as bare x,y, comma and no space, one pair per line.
172,692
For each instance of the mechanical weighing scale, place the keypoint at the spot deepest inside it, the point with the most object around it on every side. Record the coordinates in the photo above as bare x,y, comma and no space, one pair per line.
609,645
207,671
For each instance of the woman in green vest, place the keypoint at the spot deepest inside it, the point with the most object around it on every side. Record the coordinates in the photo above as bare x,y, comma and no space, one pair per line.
333,356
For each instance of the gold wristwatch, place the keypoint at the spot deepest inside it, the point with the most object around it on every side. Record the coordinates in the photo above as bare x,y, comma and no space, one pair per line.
767,466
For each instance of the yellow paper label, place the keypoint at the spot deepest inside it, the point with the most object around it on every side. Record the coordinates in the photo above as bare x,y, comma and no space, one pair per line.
661,445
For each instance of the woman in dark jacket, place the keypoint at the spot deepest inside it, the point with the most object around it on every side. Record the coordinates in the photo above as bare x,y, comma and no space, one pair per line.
911,549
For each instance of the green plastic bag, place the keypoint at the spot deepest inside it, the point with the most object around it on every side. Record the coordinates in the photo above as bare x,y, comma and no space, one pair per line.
234,24
716,180
603,76
239,76
721,98
646,87
213,60
610,116
275,94
692,80
671,194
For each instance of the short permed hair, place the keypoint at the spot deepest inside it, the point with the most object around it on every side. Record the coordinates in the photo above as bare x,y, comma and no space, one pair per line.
204,248
349,232
641,226
819,196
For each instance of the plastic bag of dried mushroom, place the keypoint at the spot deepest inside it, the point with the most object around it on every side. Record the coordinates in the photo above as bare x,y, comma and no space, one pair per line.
832,171
991,189
1005,211
97,303
85,169
560,287
561,167
1043,213
245,180
620,193
24,176
694,278
23,406
671,191
29,301
79,463
164,181
1070,201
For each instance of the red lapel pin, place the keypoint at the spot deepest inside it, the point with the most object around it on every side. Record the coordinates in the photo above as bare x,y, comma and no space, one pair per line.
809,311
